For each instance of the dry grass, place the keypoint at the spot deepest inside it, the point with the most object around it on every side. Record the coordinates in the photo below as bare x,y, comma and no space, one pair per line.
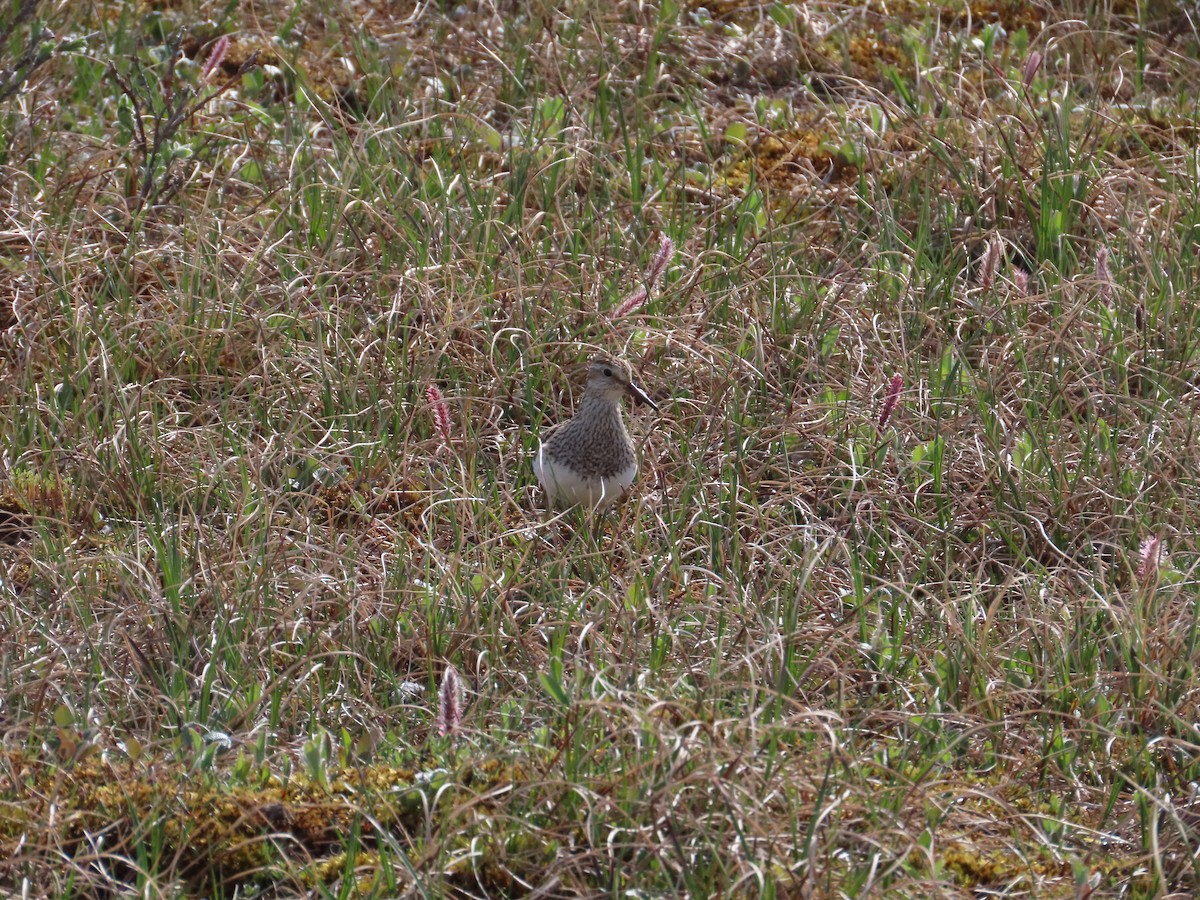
843,642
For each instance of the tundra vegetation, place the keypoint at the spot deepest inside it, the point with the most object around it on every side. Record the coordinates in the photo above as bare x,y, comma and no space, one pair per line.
905,600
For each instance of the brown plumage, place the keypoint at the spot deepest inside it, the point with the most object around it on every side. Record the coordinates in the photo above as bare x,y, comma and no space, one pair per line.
590,458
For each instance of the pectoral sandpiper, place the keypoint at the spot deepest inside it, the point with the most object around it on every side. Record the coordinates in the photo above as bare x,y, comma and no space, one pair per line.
590,460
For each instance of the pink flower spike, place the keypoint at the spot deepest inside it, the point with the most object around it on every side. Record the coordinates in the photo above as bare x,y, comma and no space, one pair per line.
1033,62
1020,279
991,261
1103,276
632,301
891,400
450,702
1149,558
658,265
441,412
215,58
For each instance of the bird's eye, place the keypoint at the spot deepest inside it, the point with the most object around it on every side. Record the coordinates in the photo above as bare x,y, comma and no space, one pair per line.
608,373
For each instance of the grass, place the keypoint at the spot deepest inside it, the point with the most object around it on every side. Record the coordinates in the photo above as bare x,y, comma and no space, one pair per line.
823,651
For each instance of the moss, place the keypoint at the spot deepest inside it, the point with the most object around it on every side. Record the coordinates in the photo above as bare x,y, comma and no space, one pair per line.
28,496
1012,14
203,827
793,158
207,829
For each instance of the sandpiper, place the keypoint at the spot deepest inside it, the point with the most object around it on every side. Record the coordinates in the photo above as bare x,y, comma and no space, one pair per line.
590,459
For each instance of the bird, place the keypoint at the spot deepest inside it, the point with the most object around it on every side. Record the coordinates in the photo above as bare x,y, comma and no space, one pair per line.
590,459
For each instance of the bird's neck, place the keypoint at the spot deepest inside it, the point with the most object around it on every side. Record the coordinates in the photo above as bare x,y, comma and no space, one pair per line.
600,405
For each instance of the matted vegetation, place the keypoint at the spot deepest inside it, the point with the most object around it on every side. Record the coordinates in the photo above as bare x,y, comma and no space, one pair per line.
905,602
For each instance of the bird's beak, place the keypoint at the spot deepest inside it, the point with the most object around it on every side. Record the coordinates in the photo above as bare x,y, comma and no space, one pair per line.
641,396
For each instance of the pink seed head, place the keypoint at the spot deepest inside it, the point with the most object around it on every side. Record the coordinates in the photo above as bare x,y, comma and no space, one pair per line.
891,400
1148,558
636,298
450,702
1020,278
658,265
1033,62
633,300
441,412
1103,275
991,261
215,58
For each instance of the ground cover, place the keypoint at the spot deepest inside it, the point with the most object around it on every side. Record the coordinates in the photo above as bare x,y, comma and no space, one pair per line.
905,602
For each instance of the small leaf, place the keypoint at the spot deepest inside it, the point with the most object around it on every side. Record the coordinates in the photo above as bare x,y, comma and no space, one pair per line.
125,116
63,717
64,395
925,451
829,341
783,14
552,684
550,112
901,86
490,136
736,133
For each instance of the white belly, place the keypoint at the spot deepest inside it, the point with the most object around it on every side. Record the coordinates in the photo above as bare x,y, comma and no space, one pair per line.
566,487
